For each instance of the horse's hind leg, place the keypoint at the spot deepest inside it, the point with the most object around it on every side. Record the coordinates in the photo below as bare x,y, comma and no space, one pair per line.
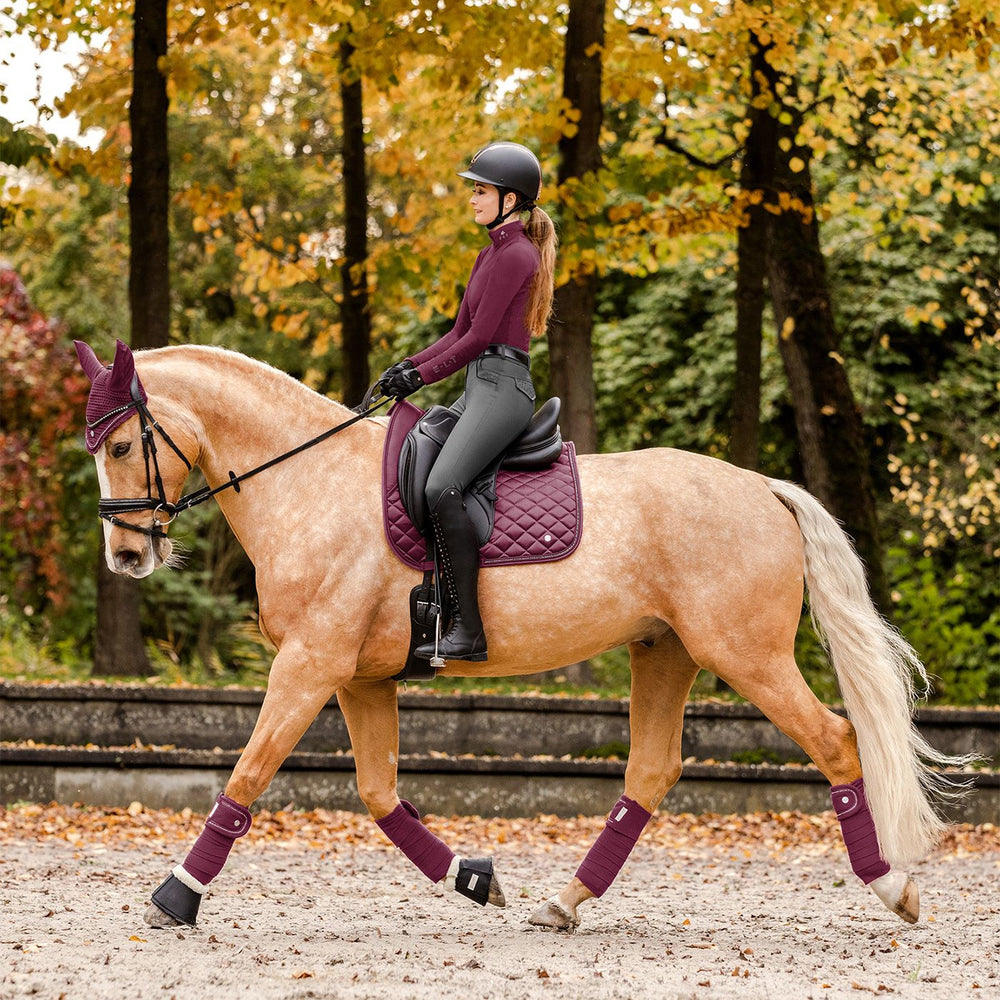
662,675
781,693
776,686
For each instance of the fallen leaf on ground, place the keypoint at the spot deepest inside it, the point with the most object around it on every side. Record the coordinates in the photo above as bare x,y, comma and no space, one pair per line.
329,830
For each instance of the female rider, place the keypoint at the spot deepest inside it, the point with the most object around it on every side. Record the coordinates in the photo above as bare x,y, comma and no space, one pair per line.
507,300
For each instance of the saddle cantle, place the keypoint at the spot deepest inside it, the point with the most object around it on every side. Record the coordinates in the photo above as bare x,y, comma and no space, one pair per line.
525,506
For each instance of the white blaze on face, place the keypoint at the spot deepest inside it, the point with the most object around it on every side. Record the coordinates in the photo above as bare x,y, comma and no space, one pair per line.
105,485
152,553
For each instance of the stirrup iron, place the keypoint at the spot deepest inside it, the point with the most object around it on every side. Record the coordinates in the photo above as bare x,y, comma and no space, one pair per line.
437,661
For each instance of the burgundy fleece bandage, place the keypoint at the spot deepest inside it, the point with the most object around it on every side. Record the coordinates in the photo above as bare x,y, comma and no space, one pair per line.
611,849
858,828
403,827
227,821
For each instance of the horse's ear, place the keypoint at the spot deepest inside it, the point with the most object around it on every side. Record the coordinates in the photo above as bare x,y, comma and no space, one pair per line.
88,360
123,368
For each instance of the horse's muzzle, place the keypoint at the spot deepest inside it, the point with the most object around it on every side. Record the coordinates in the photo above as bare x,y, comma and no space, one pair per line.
137,555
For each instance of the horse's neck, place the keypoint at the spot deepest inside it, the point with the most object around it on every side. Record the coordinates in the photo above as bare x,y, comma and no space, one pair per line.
246,413
245,409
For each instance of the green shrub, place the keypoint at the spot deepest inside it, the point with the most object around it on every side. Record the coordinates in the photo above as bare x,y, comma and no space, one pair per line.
961,653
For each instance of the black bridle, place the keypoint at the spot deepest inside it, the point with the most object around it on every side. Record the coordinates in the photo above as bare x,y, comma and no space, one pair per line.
110,510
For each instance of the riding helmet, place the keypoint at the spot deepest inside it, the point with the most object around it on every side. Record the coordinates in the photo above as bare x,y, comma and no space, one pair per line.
508,166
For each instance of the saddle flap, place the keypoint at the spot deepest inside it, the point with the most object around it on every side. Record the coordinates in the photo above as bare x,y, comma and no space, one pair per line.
417,455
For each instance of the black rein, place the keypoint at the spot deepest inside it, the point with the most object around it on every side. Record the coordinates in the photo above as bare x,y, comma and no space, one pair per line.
110,509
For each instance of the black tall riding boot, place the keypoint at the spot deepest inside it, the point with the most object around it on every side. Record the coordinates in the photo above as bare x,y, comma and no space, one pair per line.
458,556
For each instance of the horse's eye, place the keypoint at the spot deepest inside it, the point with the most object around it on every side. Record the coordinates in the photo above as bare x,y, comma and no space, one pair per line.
121,449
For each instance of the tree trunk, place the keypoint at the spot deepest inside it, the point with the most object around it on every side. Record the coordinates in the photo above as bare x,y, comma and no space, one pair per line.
119,650
571,353
750,293
118,645
570,348
756,172
355,315
149,190
830,430
828,423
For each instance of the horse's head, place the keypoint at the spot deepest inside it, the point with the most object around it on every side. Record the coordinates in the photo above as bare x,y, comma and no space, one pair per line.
138,480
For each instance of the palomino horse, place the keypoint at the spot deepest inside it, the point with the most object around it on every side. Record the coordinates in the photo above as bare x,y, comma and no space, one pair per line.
690,562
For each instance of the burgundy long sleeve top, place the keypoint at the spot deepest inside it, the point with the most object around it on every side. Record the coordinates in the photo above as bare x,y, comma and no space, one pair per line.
494,305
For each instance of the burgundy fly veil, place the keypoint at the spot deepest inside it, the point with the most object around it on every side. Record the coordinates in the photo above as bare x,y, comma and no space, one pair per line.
111,401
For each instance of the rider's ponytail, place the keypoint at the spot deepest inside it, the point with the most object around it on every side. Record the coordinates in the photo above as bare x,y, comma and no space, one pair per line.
541,231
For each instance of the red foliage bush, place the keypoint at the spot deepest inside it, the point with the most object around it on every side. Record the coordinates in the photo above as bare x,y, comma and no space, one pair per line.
42,398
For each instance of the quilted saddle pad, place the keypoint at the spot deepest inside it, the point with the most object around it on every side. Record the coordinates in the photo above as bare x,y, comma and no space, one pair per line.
538,516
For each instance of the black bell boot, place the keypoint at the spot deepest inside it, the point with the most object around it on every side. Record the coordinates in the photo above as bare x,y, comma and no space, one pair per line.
458,555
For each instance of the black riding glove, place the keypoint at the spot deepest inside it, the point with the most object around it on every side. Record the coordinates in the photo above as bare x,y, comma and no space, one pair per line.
401,383
399,366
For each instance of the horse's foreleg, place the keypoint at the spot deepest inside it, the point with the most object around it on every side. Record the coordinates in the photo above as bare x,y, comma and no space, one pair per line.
370,710
662,676
298,688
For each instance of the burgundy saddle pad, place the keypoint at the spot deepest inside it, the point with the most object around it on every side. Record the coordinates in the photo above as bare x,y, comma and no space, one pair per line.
538,515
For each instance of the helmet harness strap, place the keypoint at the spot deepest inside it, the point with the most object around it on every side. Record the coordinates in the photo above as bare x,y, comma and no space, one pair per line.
502,216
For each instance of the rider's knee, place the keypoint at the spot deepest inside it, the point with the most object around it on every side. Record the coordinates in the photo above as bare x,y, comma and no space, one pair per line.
437,487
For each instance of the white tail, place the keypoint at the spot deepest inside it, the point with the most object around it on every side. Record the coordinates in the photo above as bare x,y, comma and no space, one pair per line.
875,668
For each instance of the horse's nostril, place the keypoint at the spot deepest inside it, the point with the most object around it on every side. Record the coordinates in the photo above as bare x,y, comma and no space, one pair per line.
126,559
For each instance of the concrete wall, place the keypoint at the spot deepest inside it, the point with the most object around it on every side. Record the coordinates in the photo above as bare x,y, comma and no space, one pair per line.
483,786
107,715
492,756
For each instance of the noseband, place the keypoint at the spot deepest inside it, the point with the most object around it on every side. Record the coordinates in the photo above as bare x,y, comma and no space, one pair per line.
109,510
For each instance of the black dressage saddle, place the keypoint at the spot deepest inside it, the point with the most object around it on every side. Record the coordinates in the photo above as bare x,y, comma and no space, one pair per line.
539,445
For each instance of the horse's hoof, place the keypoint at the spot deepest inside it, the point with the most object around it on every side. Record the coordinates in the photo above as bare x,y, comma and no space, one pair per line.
555,916
908,904
155,917
475,879
496,896
176,900
899,893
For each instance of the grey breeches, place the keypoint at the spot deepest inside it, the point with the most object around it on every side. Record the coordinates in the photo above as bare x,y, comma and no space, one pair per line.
499,402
